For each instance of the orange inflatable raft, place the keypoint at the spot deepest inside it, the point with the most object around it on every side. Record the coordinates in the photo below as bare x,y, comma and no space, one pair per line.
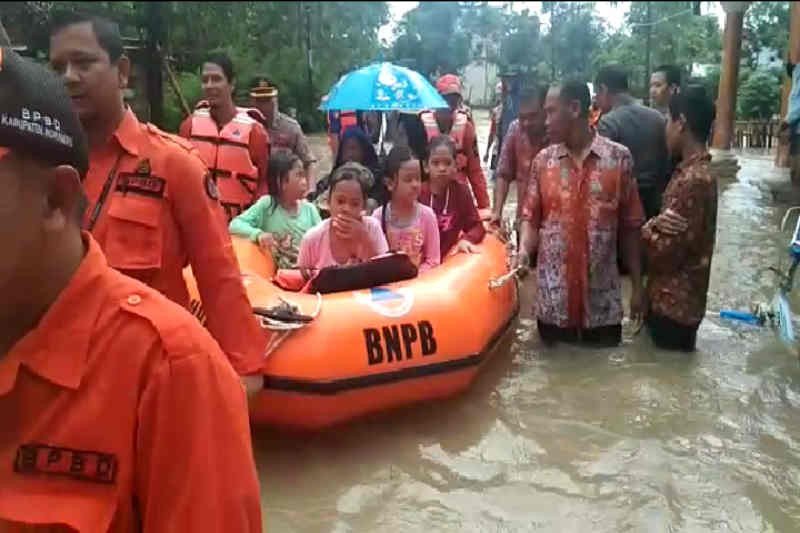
376,349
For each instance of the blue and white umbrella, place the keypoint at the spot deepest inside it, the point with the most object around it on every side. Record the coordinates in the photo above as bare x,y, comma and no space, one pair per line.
383,87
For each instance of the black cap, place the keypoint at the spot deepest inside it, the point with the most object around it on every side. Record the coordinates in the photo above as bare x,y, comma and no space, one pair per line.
36,115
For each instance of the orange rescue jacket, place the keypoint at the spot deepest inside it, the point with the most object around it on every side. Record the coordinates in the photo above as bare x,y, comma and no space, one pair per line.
456,133
226,151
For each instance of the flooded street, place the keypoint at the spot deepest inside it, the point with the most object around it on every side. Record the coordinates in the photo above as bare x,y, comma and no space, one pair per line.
569,439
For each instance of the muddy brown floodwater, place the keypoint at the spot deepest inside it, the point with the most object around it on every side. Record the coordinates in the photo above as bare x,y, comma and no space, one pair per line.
568,439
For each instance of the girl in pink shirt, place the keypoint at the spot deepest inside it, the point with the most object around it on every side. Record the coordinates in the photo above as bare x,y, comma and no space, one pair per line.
410,227
348,236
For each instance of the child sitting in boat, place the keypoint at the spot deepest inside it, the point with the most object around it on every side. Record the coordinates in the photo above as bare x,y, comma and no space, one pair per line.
409,226
279,220
460,226
355,147
347,237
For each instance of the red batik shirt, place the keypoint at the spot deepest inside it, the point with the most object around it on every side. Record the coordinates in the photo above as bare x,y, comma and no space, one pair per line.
516,157
579,214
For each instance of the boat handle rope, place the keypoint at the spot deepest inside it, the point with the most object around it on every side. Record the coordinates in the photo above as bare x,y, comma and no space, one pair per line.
284,329
498,282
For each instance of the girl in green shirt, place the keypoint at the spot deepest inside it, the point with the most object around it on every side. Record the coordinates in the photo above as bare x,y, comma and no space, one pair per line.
278,221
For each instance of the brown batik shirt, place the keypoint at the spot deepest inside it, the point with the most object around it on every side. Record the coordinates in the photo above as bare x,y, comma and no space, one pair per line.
680,265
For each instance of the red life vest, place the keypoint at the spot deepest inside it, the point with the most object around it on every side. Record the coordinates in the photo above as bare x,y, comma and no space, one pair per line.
226,152
432,130
347,120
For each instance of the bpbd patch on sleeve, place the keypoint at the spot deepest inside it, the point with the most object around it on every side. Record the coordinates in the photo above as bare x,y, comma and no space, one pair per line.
141,184
80,465
141,181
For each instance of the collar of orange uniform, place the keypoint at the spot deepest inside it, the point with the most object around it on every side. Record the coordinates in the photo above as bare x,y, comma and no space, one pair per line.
57,349
128,132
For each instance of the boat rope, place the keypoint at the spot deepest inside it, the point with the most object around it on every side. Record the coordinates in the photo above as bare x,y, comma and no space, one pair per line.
498,282
283,328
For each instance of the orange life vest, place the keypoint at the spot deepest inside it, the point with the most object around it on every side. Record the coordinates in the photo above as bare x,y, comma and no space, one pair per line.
226,152
432,130
347,120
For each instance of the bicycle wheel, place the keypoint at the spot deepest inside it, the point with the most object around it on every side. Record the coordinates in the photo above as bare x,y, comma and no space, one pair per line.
784,322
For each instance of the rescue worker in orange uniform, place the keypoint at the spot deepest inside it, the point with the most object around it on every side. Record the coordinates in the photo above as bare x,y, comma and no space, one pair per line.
118,411
153,205
231,140
453,121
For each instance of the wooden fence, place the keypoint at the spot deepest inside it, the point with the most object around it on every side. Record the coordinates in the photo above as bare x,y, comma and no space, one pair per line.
756,134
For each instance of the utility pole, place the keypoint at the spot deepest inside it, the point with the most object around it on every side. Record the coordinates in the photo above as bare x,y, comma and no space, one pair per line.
648,36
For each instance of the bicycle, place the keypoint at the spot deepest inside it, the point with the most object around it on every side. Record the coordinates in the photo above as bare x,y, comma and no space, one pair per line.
777,314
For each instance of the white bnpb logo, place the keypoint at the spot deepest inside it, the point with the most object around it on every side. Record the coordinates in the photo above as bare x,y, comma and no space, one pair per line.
391,303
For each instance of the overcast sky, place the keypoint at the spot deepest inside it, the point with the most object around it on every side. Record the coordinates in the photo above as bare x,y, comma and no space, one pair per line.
613,15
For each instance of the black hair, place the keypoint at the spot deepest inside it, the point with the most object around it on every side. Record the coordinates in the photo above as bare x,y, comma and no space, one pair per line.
224,62
671,73
353,171
694,103
105,30
398,155
614,77
396,158
280,164
360,136
536,93
575,90
442,140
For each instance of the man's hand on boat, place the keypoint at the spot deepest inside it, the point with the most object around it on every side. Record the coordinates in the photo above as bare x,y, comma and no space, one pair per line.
522,264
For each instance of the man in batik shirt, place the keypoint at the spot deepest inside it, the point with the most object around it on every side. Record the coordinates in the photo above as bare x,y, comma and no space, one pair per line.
679,242
581,200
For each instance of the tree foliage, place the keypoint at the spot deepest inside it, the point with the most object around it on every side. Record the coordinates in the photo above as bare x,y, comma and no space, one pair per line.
573,37
431,40
677,36
759,94
262,38
564,39
766,27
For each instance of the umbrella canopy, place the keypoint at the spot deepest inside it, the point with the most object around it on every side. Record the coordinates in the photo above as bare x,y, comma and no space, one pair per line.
383,87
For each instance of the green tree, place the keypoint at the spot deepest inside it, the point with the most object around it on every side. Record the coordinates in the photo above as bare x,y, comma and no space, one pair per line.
574,35
430,40
766,27
268,38
678,36
521,46
759,95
